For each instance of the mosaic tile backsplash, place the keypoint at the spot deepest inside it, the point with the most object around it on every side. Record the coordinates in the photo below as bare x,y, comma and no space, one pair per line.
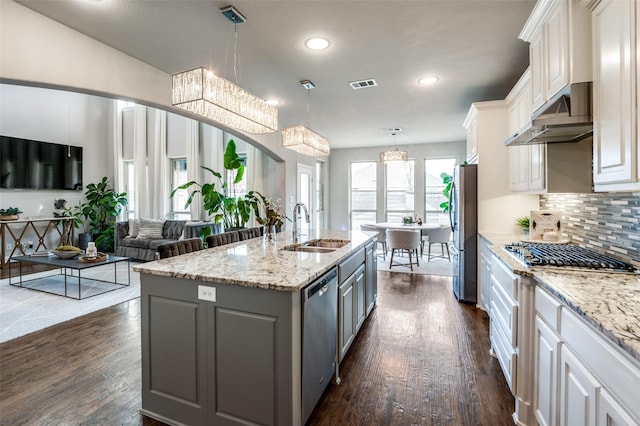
606,222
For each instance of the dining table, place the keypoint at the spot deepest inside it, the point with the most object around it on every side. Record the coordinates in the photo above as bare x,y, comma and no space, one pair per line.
413,226
423,228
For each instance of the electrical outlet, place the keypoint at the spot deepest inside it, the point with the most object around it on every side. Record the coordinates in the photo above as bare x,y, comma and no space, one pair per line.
206,293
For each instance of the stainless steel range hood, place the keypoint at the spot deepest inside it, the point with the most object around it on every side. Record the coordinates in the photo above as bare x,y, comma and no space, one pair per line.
566,117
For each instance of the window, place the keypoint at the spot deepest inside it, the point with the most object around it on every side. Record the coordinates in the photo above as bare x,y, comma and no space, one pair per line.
319,195
400,190
363,193
178,201
130,188
433,189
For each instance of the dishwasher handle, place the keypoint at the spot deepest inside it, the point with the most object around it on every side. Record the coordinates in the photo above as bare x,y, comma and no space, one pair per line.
321,286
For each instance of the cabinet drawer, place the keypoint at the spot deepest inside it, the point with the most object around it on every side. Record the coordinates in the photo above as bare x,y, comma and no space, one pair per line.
548,308
504,311
505,354
350,265
504,277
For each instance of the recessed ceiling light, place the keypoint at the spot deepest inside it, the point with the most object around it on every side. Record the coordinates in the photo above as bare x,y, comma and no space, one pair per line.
317,43
273,102
425,81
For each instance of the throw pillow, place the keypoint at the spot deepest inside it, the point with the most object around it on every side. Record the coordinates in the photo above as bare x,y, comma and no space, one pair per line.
134,227
150,229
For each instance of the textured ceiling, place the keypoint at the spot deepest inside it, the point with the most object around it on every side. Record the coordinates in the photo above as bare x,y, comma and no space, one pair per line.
471,45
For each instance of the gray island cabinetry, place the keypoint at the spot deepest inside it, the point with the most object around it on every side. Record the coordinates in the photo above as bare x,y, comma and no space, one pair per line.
222,329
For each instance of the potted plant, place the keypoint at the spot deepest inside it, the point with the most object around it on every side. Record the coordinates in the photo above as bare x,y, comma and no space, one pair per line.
523,222
101,209
10,214
219,199
273,217
447,179
76,212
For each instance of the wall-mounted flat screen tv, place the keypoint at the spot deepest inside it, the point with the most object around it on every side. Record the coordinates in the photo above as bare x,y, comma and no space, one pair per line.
29,164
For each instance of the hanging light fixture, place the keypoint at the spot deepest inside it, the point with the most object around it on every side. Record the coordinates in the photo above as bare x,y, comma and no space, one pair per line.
302,139
203,93
394,154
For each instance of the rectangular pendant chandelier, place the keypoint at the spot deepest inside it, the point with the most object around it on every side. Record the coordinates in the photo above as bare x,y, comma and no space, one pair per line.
303,140
393,155
203,93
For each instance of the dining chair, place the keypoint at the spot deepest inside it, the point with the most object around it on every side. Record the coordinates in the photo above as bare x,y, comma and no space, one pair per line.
380,239
440,236
404,239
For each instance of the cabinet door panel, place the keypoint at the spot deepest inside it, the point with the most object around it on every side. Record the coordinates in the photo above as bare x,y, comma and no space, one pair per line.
359,300
546,373
610,413
613,100
578,390
537,167
345,309
556,36
537,72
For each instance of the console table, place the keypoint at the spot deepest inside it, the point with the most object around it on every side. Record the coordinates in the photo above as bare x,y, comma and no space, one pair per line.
13,231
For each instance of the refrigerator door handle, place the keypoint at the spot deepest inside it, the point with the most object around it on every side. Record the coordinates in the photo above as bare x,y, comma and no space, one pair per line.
452,193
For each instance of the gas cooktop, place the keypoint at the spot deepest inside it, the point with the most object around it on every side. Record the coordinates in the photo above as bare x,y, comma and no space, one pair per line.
565,255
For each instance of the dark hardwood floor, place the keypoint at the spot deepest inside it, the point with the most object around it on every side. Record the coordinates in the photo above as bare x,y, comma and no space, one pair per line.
421,358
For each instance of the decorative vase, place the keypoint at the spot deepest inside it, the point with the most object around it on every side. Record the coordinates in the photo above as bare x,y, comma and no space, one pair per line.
269,233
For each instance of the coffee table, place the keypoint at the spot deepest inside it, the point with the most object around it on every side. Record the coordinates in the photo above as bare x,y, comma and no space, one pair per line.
69,271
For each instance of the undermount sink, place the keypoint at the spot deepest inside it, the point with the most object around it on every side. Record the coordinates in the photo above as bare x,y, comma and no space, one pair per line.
324,242
322,245
297,247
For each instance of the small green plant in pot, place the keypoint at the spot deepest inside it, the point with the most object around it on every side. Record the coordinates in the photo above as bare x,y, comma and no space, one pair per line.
101,209
74,212
10,213
523,222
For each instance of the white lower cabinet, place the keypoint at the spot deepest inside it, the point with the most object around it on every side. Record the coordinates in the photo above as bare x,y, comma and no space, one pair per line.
581,378
610,413
547,347
578,391
485,275
511,334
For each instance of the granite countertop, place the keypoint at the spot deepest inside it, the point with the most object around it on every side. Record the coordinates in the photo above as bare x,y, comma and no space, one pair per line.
608,301
257,263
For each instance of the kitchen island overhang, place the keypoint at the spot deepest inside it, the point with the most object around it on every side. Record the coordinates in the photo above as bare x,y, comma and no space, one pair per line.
236,359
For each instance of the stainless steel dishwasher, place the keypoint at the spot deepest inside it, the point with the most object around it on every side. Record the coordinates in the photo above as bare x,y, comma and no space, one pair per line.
319,338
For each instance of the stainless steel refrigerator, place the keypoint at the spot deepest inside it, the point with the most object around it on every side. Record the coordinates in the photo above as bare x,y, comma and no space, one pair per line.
463,215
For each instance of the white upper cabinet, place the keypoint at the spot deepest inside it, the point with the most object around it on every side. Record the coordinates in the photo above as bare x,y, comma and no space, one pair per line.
526,163
559,33
542,168
615,93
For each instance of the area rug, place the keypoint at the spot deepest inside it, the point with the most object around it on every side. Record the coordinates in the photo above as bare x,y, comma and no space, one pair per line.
23,311
436,266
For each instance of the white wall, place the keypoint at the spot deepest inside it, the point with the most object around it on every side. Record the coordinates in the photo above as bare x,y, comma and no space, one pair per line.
338,171
58,117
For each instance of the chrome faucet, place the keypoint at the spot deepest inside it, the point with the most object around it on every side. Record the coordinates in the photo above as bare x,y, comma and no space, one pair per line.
295,219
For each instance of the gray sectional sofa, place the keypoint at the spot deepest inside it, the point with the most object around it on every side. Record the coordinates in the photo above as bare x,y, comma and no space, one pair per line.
128,243
139,247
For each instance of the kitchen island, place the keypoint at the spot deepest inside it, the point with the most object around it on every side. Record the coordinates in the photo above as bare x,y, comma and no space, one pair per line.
222,328
568,340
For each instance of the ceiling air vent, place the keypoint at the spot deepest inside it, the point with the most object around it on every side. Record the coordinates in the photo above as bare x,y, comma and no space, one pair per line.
362,84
